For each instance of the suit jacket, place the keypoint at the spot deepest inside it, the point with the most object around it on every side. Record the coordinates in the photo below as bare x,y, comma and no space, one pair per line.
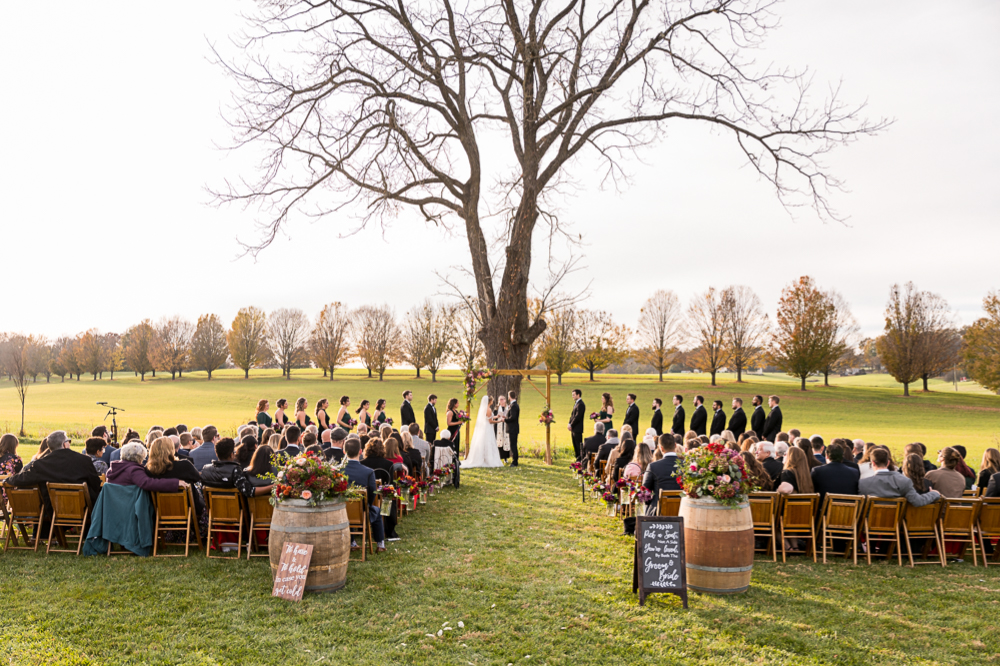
836,478
406,413
657,422
660,476
361,476
203,455
592,444
772,425
738,422
757,421
677,427
430,419
718,423
513,414
894,484
993,487
577,416
699,419
605,449
59,466
632,419
773,468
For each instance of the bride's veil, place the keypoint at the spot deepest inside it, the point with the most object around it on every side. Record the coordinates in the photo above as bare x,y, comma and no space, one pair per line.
483,434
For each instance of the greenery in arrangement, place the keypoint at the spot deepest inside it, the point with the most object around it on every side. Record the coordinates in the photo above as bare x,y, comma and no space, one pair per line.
312,478
714,471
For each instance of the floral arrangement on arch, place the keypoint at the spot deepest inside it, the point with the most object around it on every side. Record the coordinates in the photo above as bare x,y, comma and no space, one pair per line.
546,417
714,471
473,378
310,477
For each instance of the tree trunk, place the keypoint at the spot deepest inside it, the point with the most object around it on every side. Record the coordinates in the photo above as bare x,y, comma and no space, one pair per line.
803,378
418,373
369,373
739,374
826,377
180,374
559,378
143,377
154,372
246,373
21,434
434,375
209,374
331,374
906,389
591,374
381,372
713,376
661,374
926,390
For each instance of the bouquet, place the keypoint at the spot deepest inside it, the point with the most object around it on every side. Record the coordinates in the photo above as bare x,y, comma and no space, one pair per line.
594,416
717,472
609,497
390,492
641,495
352,422
311,478
388,420
546,417
463,417
576,466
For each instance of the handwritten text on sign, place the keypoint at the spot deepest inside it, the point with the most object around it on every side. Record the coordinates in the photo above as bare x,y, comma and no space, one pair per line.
290,578
661,555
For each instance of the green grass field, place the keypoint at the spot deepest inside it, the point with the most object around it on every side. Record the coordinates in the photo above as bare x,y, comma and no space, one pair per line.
871,407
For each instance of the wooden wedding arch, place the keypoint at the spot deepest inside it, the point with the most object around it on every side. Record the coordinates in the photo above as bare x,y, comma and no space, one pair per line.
525,374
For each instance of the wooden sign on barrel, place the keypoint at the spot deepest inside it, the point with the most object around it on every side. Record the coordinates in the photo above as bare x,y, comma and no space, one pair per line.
290,578
659,564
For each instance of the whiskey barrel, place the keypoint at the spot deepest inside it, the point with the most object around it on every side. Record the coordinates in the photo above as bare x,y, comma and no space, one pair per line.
718,544
325,527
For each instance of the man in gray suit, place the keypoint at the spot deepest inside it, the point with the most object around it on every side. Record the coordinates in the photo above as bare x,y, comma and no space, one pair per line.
892,484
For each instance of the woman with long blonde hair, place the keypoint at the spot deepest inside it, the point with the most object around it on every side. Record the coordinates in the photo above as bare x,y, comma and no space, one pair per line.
795,477
989,467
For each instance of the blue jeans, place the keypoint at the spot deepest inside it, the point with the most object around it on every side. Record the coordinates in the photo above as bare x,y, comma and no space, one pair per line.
375,517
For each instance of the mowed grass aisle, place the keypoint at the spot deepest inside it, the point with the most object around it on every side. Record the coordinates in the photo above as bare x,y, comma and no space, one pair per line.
528,570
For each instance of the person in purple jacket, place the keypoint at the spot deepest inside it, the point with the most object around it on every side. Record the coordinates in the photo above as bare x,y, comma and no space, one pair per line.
129,472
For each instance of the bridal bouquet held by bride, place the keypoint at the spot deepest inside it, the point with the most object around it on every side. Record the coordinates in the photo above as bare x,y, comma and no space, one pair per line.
495,436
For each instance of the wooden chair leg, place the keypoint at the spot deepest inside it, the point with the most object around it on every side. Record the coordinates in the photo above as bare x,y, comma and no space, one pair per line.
824,533
972,542
812,540
208,538
939,540
52,529
868,543
250,539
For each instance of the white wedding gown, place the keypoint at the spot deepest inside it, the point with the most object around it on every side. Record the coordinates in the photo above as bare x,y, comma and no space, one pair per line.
483,450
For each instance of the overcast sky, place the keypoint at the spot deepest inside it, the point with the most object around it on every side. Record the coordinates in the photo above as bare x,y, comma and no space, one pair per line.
111,116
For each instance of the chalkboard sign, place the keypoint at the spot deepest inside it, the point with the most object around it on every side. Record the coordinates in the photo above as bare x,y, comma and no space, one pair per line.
290,578
659,557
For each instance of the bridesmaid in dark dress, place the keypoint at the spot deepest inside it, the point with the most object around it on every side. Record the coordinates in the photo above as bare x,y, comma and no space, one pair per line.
363,415
280,418
301,418
322,420
379,413
453,424
263,418
343,417
607,411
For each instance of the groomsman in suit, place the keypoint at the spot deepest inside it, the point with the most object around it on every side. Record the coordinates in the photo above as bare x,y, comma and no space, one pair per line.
660,474
758,417
772,426
576,418
513,426
632,416
719,420
431,417
699,419
406,410
738,421
657,422
678,425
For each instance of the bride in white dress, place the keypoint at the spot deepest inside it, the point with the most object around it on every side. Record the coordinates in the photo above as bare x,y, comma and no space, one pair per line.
483,450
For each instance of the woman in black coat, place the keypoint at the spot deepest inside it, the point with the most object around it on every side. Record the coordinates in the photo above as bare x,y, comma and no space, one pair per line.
163,465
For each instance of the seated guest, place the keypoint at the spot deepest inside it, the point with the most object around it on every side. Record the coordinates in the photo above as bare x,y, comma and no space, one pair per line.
913,469
989,466
650,439
640,461
362,430
170,431
889,483
181,428
781,452
419,443
103,433
963,468
10,462
128,471
261,470
226,473
593,443
290,443
59,464
744,441
163,464
187,443
411,456
335,451
946,480
610,443
765,455
660,474
865,465
275,442
793,435
921,450
205,454
848,447
375,456
729,436
795,477
198,437
759,476
835,477
364,477
626,451
805,446
818,449
244,452
392,451
95,449
859,449
310,443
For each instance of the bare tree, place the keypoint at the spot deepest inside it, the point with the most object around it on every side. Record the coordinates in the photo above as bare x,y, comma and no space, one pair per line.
440,338
661,330
246,338
288,335
415,344
39,359
599,341
746,327
138,345
559,345
209,348
844,335
371,105
377,337
15,360
171,350
706,326
331,338
468,349
940,341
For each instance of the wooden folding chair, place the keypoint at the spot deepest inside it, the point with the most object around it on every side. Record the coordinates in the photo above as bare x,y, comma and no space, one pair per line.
601,464
670,502
968,492
988,526
175,512
957,523
882,517
796,519
225,515
357,518
261,512
922,522
763,507
839,520
70,509
591,459
26,511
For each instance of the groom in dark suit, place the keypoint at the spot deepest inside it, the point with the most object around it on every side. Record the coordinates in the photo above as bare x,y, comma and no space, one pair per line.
657,422
699,419
576,418
513,426
406,410
431,418
632,417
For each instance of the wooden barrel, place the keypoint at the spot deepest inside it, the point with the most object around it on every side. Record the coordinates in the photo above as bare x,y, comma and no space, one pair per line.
325,527
718,544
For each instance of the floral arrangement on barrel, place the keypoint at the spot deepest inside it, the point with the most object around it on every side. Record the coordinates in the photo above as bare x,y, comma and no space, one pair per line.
546,417
310,477
474,377
717,472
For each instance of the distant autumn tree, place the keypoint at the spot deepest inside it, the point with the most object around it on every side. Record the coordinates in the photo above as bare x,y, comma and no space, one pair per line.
706,325
90,352
599,341
377,337
330,341
114,355
559,343
247,339
172,345
439,336
745,328
56,366
806,330
15,361
940,341
414,345
69,358
661,330
981,345
138,345
39,359
209,347
288,336
916,341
